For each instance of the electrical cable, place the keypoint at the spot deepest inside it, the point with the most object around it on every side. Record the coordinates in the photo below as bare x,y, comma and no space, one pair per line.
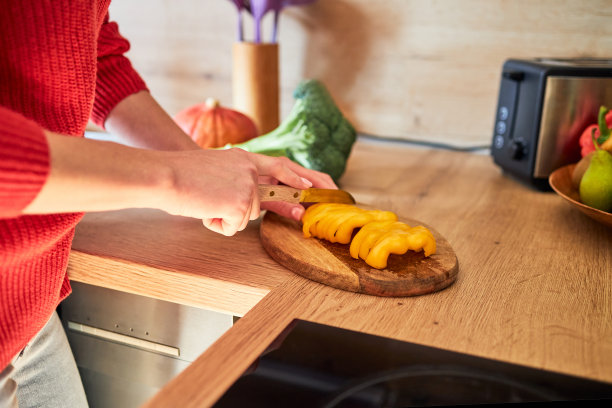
437,145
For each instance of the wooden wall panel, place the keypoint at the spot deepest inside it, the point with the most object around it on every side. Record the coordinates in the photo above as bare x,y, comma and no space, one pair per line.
407,69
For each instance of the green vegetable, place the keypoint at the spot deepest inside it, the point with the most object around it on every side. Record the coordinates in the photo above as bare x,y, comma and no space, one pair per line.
315,134
604,131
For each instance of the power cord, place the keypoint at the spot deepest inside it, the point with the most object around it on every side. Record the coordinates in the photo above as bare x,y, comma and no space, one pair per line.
423,143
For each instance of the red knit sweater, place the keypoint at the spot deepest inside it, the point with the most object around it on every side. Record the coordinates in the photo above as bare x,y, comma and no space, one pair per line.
61,63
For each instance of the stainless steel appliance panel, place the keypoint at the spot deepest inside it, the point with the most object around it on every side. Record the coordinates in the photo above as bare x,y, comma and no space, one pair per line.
127,347
570,105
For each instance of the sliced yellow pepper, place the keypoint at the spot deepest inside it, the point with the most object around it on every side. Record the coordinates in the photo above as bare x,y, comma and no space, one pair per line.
345,230
380,234
336,222
377,240
367,236
317,212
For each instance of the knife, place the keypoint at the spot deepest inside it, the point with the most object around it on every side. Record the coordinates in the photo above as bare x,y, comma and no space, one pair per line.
269,192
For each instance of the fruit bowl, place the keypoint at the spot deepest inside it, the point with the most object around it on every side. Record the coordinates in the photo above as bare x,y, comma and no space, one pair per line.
561,181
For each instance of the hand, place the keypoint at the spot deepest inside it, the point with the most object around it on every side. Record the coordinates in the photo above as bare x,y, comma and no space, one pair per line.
143,123
220,186
289,210
217,186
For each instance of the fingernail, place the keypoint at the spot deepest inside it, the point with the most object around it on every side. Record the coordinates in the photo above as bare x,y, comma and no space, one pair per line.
296,213
307,182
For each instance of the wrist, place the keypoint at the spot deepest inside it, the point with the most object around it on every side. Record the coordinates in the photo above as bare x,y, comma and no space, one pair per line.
157,181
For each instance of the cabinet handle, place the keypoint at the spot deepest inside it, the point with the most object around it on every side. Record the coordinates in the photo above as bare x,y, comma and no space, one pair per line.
123,339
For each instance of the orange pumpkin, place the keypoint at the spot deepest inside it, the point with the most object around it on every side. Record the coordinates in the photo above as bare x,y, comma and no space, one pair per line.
211,125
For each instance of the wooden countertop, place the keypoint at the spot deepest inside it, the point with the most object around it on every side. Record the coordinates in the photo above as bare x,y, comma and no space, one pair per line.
534,284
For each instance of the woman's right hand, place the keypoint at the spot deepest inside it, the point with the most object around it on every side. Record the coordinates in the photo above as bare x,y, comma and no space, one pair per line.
220,186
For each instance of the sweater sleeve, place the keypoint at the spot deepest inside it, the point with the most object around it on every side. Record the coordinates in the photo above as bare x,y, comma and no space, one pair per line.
24,162
116,78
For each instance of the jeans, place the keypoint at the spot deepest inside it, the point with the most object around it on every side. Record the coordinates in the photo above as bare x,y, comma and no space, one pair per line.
44,374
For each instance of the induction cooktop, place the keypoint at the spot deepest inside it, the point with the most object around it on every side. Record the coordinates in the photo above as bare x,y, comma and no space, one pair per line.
314,365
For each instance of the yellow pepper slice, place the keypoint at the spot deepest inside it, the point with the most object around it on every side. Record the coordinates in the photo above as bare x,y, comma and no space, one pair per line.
380,234
336,222
367,236
317,212
377,240
344,231
330,225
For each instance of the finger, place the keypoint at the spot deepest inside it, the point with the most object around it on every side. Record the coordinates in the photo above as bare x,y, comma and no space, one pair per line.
229,228
289,210
247,216
213,224
322,180
220,226
267,180
280,169
317,178
255,207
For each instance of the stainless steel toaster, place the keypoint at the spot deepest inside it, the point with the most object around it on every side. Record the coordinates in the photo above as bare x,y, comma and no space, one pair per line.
544,105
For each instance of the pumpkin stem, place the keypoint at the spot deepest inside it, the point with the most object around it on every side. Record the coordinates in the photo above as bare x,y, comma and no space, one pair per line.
211,103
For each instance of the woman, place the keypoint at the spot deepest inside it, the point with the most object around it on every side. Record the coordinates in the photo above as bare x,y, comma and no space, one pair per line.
62,63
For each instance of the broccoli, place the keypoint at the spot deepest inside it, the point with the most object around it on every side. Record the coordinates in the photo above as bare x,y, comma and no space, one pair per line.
315,134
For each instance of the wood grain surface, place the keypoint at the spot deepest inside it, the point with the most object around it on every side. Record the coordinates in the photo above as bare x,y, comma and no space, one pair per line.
256,82
331,264
151,253
535,285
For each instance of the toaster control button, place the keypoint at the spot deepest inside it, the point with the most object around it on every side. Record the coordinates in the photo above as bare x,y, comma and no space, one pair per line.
503,113
518,150
498,142
501,127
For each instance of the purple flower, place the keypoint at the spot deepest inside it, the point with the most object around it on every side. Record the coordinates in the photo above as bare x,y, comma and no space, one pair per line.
239,5
259,8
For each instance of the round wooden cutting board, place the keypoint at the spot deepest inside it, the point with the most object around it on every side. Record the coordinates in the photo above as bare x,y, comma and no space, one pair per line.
331,263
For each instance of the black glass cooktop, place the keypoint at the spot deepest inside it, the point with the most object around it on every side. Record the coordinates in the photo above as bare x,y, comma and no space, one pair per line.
313,365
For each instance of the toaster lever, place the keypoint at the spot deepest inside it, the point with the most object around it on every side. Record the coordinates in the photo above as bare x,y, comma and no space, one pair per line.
518,149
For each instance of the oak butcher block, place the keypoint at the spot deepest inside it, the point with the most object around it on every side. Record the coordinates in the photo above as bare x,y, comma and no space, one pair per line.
331,264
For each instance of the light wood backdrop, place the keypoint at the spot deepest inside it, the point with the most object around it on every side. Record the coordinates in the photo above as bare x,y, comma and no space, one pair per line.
407,69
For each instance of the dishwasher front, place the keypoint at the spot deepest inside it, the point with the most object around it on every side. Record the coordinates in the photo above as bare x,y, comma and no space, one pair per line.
127,347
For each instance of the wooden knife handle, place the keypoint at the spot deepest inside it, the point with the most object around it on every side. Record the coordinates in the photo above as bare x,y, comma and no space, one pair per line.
270,192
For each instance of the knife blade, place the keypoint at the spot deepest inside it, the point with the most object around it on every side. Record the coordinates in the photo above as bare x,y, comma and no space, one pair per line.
269,192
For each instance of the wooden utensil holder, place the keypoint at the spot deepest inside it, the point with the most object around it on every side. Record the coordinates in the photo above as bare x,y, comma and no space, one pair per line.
255,83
